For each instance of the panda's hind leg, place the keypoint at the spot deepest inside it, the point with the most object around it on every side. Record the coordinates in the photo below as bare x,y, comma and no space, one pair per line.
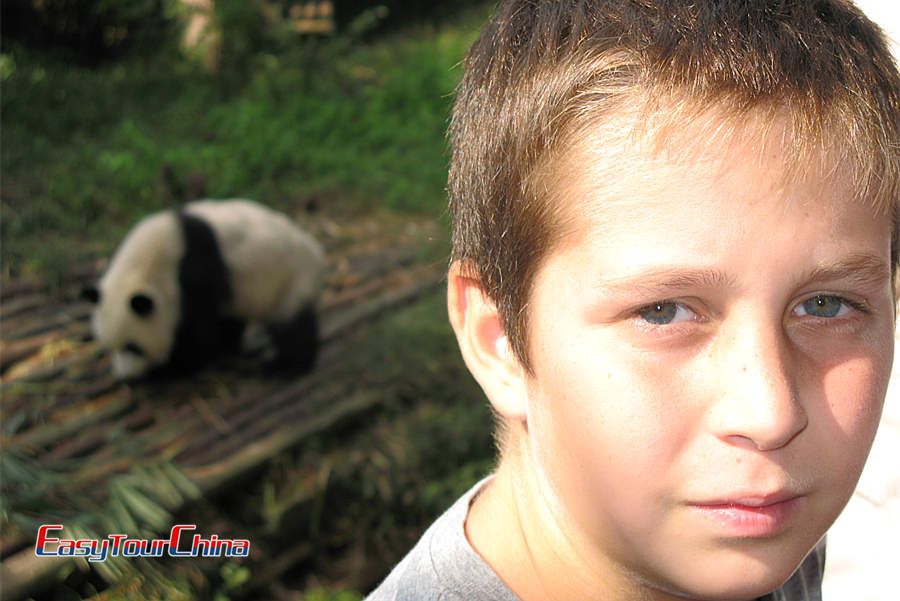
231,334
296,342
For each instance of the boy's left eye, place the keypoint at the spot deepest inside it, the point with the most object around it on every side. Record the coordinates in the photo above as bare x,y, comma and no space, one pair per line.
825,305
665,312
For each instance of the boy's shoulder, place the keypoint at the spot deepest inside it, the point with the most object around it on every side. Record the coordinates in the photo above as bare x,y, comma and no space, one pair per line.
443,565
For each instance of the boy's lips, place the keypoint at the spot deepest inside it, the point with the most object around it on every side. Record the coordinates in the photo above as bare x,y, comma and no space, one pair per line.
750,499
751,515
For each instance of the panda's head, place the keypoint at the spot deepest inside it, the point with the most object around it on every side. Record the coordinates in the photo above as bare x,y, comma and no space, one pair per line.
135,324
136,308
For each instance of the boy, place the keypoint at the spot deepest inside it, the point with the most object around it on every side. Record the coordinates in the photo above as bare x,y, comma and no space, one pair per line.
675,233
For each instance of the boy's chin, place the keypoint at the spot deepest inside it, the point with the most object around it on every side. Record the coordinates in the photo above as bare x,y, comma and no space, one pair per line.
733,580
741,590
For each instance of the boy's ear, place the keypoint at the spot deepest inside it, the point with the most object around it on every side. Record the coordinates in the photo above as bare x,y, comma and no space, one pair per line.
485,348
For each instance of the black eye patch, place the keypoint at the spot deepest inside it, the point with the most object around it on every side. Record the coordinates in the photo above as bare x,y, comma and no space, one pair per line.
142,304
134,349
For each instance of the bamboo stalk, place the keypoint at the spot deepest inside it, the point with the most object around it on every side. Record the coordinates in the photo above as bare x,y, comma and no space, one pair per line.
38,370
259,427
10,543
78,274
57,316
247,412
164,430
21,395
369,288
25,574
13,351
93,438
74,421
22,304
405,295
22,286
211,478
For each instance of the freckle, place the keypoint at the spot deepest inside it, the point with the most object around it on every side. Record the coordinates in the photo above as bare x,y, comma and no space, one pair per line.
738,460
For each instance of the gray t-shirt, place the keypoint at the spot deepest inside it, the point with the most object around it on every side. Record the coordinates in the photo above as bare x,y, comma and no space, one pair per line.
443,566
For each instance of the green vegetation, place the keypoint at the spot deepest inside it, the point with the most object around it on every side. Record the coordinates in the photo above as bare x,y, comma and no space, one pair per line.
339,122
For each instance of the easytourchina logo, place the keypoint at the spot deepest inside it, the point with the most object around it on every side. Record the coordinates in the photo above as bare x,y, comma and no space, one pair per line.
179,544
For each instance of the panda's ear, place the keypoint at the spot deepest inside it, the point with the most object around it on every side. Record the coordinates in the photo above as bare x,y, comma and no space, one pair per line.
142,304
91,294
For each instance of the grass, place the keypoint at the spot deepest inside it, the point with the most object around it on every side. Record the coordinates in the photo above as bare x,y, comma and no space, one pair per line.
357,124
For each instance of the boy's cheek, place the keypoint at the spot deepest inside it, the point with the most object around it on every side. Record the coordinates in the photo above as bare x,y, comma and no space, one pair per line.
601,411
844,377
851,394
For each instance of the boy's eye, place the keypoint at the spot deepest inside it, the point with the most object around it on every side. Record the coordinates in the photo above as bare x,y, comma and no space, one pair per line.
665,312
823,306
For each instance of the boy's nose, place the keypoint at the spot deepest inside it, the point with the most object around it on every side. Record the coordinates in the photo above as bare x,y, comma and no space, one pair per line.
758,403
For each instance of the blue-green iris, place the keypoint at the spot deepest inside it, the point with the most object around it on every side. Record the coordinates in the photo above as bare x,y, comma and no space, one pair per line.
660,313
823,306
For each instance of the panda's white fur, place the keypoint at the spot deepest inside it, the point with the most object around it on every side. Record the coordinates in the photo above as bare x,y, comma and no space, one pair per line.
274,272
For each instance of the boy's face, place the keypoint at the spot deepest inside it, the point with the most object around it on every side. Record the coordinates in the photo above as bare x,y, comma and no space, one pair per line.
711,348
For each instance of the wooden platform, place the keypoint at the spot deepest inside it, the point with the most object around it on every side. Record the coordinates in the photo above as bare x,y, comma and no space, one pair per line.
162,444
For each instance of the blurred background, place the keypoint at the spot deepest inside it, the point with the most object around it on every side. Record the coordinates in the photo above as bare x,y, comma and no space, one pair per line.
333,112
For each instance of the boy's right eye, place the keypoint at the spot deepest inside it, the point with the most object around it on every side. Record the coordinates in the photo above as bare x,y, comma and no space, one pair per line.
665,312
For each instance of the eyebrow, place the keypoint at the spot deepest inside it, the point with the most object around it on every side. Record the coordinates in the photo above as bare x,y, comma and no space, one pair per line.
860,269
655,280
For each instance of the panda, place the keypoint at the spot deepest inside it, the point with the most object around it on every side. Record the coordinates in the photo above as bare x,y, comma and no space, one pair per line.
183,283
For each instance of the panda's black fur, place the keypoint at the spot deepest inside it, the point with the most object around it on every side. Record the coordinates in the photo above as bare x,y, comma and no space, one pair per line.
205,289
297,341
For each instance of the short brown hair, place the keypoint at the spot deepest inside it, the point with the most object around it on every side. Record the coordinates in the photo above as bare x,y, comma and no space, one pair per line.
544,69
